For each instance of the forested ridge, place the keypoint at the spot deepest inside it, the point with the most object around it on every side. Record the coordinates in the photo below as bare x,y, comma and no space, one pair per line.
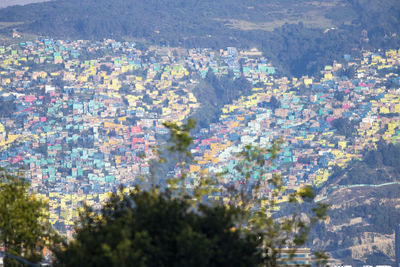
299,36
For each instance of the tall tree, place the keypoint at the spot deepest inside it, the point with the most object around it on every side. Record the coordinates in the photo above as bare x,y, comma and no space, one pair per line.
24,228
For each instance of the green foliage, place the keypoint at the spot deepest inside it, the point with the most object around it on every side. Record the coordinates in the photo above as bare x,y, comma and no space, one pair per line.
156,229
24,229
273,103
214,92
179,143
345,126
287,231
180,137
384,155
7,108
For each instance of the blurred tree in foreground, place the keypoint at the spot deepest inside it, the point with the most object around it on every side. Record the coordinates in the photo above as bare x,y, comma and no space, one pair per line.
24,228
174,226
154,229
260,209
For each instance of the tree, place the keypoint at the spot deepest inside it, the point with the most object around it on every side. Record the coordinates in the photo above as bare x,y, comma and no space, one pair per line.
156,229
24,229
214,92
345,126
274,103
259,210
7,107
179,143
174,226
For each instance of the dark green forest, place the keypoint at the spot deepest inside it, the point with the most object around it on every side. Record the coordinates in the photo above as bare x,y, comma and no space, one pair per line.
298,36
213,93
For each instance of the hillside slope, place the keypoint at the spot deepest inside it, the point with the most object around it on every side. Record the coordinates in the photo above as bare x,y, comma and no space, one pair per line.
300,36
360,230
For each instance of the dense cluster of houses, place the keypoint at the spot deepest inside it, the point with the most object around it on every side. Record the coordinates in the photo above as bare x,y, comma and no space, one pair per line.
79,124
80,118
367,104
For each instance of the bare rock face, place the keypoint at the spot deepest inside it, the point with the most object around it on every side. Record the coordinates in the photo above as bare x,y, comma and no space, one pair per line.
361,224
371,243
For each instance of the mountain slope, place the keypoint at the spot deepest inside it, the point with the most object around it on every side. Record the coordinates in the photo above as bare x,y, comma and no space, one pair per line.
295,34
360,230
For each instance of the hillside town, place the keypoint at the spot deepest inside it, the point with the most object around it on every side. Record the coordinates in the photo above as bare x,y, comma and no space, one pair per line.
79,119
